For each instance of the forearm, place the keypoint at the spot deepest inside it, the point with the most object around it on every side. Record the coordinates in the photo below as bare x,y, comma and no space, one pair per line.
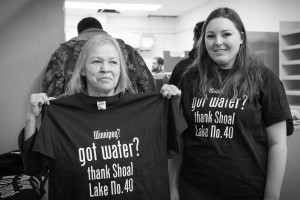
174,169
31,160
34,163
30,126
275,171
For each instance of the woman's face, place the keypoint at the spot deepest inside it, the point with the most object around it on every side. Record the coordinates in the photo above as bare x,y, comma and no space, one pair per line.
102,69
222,41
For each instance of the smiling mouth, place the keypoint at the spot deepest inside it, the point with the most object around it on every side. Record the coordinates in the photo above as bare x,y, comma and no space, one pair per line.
219,50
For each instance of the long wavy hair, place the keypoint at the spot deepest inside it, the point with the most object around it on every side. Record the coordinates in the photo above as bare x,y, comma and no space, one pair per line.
78,83
244,77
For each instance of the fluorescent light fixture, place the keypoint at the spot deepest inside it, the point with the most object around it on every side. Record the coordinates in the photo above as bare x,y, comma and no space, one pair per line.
147,43
84,5
115,6
125,6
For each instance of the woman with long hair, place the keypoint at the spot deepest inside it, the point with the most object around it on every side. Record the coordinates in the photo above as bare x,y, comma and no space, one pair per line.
236,110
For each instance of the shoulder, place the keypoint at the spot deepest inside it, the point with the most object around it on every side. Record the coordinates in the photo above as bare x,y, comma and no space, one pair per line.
141,96
272,87
121,43
64,100
69,48
266,72
191,74
74,45
268,76
183,64
178,71
188,79
127,49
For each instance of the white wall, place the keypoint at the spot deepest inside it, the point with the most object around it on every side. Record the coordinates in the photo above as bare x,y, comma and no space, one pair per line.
30,31
161,29
257,15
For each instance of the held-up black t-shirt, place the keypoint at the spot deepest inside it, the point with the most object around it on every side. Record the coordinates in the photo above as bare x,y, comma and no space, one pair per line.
109,147
226,142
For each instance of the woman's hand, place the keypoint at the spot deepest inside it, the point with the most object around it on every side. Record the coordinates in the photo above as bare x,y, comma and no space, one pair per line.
36,103
168,91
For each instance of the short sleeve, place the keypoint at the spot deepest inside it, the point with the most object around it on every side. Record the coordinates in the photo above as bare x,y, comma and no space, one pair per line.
43,141
34,163
275,107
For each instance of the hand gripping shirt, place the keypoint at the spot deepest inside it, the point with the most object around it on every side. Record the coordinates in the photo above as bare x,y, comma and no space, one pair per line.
109,147
226,142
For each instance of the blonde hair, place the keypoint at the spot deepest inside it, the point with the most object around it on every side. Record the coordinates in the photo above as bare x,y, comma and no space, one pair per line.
78,83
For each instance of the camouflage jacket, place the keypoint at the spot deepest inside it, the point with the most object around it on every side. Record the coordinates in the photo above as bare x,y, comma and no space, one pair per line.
63,60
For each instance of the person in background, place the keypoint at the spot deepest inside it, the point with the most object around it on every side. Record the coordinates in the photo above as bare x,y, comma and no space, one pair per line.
182,65
100,140
237,110
61,65
157,65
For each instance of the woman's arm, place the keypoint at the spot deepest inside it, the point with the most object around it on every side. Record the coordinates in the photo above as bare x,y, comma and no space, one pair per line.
277,154
174,164
174,169
34,110
34,163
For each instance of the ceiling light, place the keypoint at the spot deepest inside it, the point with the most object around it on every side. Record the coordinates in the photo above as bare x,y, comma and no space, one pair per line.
147,42
84,5
111,11
115,6
124,6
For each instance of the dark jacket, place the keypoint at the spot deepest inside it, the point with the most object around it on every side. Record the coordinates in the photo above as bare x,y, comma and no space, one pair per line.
180,67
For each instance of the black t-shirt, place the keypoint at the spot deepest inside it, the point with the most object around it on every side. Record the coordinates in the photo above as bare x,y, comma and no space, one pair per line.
226,142
117,152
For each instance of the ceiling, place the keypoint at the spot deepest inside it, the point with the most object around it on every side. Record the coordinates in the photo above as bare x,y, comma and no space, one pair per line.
170,8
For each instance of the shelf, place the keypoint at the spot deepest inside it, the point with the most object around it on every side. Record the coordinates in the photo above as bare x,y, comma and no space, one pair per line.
292,77
293,92
291,62
291,47
295,106
289,59
290,32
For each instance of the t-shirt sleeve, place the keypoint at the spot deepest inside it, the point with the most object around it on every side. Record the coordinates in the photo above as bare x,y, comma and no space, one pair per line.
176,123
44,142
35,164
275,105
